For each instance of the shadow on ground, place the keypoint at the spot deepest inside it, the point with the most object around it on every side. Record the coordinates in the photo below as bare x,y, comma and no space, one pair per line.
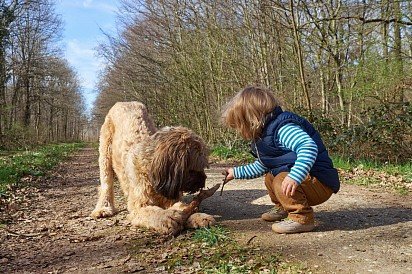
236,204
362,218
240,205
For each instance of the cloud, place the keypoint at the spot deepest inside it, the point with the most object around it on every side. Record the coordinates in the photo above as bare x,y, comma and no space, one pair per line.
84,19
105,6
82,56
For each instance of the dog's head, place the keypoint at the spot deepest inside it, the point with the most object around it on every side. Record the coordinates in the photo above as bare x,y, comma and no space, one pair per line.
178,163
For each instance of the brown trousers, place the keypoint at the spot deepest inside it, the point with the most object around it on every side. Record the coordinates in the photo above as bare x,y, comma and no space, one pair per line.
309,193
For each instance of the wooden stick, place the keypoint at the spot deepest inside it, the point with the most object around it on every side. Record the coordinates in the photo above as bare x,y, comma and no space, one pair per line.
224,181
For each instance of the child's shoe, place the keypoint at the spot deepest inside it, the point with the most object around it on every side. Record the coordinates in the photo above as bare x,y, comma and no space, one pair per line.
289,226
275,214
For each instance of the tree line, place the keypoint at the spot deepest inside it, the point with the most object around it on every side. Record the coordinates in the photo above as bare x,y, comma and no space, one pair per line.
40,94
344,64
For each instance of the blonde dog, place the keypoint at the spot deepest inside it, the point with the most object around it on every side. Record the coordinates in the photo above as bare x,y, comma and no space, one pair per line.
154,168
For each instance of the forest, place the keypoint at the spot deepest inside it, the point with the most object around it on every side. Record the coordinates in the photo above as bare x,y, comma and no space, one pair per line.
344,65
40,94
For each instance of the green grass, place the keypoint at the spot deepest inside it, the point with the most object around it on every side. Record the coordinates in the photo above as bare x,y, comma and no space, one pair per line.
34,162
211,236
204,250
369,173
404,170
231,154
216,252
392,169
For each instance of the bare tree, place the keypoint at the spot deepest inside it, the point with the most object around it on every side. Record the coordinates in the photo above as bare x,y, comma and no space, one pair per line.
41,95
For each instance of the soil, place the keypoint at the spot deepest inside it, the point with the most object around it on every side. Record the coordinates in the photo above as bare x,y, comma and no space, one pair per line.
359,230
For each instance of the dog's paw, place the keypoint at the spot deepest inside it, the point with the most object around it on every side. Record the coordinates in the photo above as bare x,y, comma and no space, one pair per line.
170,222
197,220
103,212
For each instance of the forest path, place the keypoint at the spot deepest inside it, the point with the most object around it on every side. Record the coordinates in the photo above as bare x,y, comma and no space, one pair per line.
359,230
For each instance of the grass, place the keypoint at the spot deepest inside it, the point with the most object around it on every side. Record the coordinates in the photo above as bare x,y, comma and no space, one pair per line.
231,154
221,254
211,236
206,250
399,169
369,173
34,162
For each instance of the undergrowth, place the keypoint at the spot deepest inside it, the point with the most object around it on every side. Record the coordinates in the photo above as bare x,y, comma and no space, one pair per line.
392,169
234,154
370,173
34,162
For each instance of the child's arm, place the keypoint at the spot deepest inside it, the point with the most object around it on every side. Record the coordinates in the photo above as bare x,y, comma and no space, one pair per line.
249,171
292,137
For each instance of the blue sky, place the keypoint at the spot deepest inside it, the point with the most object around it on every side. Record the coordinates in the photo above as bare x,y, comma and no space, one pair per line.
83,22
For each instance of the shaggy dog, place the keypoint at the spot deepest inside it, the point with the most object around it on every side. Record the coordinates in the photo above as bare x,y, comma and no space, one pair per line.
154,168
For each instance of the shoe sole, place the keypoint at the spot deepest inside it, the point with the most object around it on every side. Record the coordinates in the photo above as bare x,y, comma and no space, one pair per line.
301,230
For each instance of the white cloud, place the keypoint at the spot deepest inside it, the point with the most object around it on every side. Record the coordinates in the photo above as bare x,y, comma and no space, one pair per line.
87,3
105,6
83,57
83,19
108,6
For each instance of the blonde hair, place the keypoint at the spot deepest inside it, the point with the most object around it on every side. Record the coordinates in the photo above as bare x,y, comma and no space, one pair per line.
246,111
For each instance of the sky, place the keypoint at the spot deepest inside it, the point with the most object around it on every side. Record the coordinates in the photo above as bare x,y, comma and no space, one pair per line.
84,22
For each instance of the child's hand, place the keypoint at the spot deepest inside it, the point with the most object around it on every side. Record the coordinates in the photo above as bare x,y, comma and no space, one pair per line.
289,186
230,174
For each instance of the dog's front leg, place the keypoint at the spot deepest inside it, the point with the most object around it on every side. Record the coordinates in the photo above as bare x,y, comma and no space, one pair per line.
165,221
195,220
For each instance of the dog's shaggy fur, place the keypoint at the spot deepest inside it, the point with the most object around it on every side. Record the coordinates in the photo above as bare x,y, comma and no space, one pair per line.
154,168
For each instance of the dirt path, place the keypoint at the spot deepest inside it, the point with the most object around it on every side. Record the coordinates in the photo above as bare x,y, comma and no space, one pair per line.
359,230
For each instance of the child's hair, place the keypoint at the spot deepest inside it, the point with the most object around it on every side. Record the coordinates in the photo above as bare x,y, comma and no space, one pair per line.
246,111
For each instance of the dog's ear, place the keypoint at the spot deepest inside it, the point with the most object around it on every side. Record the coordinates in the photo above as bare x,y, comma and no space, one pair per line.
170,162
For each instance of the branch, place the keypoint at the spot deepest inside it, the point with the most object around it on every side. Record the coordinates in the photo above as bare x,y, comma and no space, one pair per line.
364,20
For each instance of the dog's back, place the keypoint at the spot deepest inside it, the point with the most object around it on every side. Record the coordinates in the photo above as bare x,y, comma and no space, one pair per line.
126,123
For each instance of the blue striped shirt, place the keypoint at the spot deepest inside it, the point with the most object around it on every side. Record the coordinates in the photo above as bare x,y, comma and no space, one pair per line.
291,137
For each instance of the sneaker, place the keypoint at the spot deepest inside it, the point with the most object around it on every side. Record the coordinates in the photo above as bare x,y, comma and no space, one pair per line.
275,214
289,226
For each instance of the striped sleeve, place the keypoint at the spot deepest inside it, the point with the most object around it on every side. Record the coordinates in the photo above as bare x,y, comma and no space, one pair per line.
250,171
292,137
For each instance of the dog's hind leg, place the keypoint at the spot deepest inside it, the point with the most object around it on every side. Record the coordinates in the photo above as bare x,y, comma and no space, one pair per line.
105,203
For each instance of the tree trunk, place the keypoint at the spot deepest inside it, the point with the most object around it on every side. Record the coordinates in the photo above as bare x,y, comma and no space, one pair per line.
398,48
385,47
2,89
297,42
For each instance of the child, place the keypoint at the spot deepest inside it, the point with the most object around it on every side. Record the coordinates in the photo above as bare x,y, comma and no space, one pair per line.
299,172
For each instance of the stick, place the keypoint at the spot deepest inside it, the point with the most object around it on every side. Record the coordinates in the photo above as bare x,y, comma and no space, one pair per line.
18,234
224,182
248,242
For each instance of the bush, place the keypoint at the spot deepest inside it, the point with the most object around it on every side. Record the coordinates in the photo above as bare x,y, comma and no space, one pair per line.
386,136
17,137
